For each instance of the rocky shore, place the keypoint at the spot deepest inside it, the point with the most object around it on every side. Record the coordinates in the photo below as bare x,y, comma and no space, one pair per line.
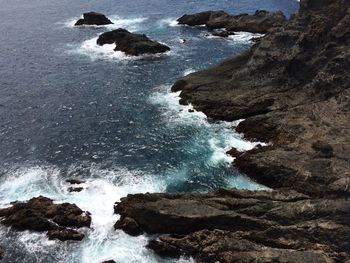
260,22
292,89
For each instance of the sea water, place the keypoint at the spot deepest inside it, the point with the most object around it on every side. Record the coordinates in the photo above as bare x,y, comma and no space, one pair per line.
72,109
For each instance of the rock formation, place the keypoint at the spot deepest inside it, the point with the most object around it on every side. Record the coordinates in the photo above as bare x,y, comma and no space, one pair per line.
41,214
93,18
260,22
229,225
292,89
130,43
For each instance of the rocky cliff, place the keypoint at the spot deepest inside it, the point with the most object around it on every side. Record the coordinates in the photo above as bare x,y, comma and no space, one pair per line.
292,89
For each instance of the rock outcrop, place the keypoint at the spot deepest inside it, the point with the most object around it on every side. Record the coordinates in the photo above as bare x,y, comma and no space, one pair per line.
130,43
228,225
93,18
260,22
41,214
292,89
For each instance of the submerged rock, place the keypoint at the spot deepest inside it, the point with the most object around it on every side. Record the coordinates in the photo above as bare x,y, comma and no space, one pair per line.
130,43
75,181
41,214
93,18
259,22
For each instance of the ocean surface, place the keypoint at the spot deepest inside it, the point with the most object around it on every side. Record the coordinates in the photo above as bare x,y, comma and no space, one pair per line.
71,109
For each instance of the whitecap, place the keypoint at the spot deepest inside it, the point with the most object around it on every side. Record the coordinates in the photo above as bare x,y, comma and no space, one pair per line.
172,22
244,36
101,190
188,71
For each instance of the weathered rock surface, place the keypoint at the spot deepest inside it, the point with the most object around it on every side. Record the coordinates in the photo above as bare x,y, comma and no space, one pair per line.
130,43
228,225
93,18
292,89
260,22
1,253
41,214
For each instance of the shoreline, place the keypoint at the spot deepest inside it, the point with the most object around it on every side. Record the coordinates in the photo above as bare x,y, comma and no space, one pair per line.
295,98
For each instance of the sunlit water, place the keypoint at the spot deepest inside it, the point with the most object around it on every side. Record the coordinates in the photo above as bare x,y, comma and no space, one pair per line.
72,109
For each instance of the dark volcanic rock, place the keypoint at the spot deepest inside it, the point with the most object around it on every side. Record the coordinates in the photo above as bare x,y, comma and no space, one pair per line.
200,18
1,253
75,189
64,234
260,22
292,89
93,18
130,43
41,214
129,225
260,224
222,33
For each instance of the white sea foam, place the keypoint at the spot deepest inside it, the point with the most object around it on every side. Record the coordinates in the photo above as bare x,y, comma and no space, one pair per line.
188,71
93,51
172,22
244,36
238,37
100,192
221,134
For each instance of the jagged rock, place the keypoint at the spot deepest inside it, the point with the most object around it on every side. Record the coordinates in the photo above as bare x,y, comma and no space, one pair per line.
93,18
1,253
41,214
222,33
224,246
292,89
260,22
199,18
227,224
64,234
130,43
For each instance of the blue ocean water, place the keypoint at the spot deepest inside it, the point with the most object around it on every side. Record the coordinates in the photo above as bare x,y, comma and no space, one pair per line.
69,108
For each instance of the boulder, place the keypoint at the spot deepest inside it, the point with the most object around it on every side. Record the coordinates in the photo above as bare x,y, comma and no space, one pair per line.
93,18
130,43
129,225
42,214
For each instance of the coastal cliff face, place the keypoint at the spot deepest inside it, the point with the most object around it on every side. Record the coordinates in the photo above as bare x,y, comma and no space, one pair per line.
292,89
